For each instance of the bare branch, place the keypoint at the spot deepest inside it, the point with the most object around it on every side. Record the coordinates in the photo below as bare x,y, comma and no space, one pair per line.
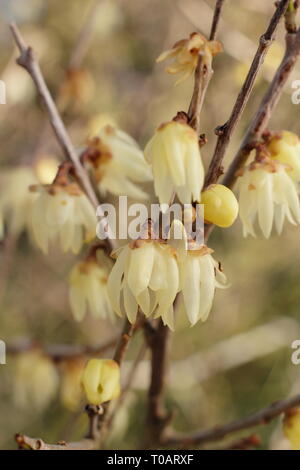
203,74
262,417
59,352
268,104
158,418
216,19
224,132
28,61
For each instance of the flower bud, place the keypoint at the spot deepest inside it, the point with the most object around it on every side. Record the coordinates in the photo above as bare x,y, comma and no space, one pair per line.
291,427
220,205
101,380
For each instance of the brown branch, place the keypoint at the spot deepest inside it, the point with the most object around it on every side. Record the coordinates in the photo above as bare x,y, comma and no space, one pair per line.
216,19
225,131
245,443
59,352
203,74
28,61
158,418
84,37
262,417
32,443
268,104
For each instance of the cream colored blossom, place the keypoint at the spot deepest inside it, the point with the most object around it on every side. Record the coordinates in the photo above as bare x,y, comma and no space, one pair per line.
177,166
285,148
71,393
144,276
101,380
118,163
185,54
62,213
16,200
200,275
88,288
35,380
268,194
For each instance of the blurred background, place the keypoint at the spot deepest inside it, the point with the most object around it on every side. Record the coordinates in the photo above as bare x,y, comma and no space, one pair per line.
240,359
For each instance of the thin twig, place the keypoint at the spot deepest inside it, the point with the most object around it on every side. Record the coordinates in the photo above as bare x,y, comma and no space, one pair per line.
268,104
225,131
203,74
216,19
59,352
262,417
28,61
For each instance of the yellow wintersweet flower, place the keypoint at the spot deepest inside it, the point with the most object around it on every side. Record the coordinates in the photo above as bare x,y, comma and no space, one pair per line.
88,288
177,166
144,276
101,380
63,212
267,192
220,205
117,163
185,54
35,380
291,427
285,147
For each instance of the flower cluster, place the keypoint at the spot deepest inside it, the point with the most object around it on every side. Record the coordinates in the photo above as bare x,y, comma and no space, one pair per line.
268,188
62,212
148,275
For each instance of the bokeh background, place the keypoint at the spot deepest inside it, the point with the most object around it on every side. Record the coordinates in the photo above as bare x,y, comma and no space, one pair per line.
240,359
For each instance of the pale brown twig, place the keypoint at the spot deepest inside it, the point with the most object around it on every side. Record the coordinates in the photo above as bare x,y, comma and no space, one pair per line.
225,131
268,104
263,416
203,74
59,352
28,61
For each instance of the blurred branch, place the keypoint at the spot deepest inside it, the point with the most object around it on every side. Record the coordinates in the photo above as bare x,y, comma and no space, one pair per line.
245,443
225,131
84,38
59,352
31,443
262,417
203,74
267,106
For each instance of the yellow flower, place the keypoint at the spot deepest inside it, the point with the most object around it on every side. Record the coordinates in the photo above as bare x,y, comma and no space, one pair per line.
145,275
199,273
185,54
65,213
35,380
220,205
101,380
291,427
88,288
118,163
174,154
267,192
16,200
71,393
285,147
